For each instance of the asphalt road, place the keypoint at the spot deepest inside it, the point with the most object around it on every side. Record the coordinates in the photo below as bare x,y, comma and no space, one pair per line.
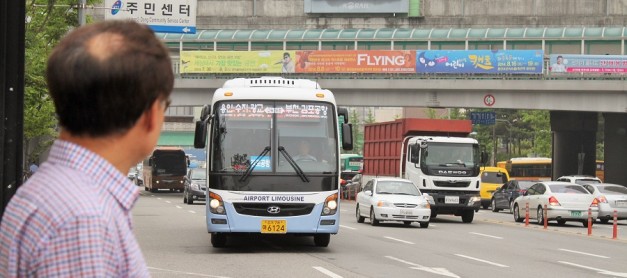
175,242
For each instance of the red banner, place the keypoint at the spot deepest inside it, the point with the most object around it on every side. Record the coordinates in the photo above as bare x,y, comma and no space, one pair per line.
356,61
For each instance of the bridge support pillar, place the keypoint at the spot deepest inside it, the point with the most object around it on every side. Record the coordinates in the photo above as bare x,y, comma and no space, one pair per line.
615,147
574,143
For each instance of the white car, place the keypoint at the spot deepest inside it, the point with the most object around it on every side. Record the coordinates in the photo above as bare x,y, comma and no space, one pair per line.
392,199
564,202
611,197
579,179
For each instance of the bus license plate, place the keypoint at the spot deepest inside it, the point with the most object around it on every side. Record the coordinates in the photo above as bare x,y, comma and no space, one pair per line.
575,213
451,199
273,226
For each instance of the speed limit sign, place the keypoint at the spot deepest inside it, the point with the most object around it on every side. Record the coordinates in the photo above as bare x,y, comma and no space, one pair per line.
489,100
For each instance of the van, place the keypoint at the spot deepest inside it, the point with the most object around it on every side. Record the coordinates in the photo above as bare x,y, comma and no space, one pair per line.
165,168
491,179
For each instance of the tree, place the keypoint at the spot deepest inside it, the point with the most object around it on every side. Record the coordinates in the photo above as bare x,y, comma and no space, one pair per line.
46,22
358,133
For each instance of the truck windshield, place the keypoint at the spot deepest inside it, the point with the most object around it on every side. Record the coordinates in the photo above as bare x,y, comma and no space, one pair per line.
451,155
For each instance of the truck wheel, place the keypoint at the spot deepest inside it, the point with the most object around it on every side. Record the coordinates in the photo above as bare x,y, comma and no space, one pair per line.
373,219
434,214
467,216
424,224
485,206
218,240
360,219
322,240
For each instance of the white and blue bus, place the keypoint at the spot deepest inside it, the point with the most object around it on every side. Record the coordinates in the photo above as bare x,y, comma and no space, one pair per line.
273,148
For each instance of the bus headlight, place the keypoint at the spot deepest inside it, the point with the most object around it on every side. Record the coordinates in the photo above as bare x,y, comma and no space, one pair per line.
330,205
216,205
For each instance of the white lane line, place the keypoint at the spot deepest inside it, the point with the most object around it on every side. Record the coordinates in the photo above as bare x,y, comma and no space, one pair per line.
347,227
343,210
480,260
434,270
191,211
399,240
186,273
583,253
168,202
158,198
598,270
326,272
179,207
497,237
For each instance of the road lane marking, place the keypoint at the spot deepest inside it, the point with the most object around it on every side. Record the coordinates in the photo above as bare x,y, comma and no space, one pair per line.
168,202
179,207
399,240
583,253
480,260
326,272
187,273
158,198
598,270
347,227
497,237
191,211
434,270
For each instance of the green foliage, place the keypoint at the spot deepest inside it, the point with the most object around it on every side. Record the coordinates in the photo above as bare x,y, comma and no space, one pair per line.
358,132
47,22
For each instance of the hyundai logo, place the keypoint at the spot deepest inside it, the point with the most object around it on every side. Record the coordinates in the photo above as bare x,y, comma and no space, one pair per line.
273,209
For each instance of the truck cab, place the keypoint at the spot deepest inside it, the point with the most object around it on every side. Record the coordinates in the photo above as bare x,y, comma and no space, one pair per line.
447,168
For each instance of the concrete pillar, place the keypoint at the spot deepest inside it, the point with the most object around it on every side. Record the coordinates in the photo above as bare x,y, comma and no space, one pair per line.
574,133
615,148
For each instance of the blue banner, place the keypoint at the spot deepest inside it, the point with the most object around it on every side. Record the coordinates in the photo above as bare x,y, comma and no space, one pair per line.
479,61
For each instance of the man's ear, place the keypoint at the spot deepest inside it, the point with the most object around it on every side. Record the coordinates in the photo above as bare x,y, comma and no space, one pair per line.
150,117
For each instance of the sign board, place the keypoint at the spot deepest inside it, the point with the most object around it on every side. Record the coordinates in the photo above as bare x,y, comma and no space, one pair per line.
483,118
163,16
356,6
568,63
480,61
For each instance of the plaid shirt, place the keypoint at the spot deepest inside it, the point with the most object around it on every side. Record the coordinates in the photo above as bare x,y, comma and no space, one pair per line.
71,219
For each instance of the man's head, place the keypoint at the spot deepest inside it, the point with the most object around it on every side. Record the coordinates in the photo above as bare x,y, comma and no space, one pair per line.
104,76
560,59
303,147
286,57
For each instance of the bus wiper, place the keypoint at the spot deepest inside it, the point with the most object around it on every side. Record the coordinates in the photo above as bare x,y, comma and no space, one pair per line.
252,166
297,168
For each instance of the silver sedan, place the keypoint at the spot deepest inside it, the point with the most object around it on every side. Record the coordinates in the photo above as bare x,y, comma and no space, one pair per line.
611,197
564,201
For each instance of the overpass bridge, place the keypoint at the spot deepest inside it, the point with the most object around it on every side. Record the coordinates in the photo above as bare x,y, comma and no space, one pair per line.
575,100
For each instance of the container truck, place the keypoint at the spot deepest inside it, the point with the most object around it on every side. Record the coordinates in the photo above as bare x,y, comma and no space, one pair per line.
436,154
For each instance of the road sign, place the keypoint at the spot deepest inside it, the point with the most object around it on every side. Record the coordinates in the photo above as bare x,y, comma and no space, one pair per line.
483,118
489,100
165,16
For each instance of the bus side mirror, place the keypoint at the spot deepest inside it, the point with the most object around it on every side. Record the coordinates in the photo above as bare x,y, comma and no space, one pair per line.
347,136
200,134
342,111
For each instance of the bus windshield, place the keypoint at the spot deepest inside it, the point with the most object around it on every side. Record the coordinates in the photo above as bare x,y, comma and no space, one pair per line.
271,141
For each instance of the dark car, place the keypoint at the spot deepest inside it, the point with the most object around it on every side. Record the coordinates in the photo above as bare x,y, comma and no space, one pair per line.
503,198
195,186
352,187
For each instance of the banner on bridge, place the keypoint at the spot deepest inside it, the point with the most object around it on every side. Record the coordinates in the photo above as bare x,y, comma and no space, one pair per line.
480,61
356,61
237,61
567,63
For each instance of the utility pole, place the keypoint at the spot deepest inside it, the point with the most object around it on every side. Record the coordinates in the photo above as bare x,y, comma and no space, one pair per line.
81,12
12,36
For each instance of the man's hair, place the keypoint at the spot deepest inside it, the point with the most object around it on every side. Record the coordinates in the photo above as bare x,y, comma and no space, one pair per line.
103,76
